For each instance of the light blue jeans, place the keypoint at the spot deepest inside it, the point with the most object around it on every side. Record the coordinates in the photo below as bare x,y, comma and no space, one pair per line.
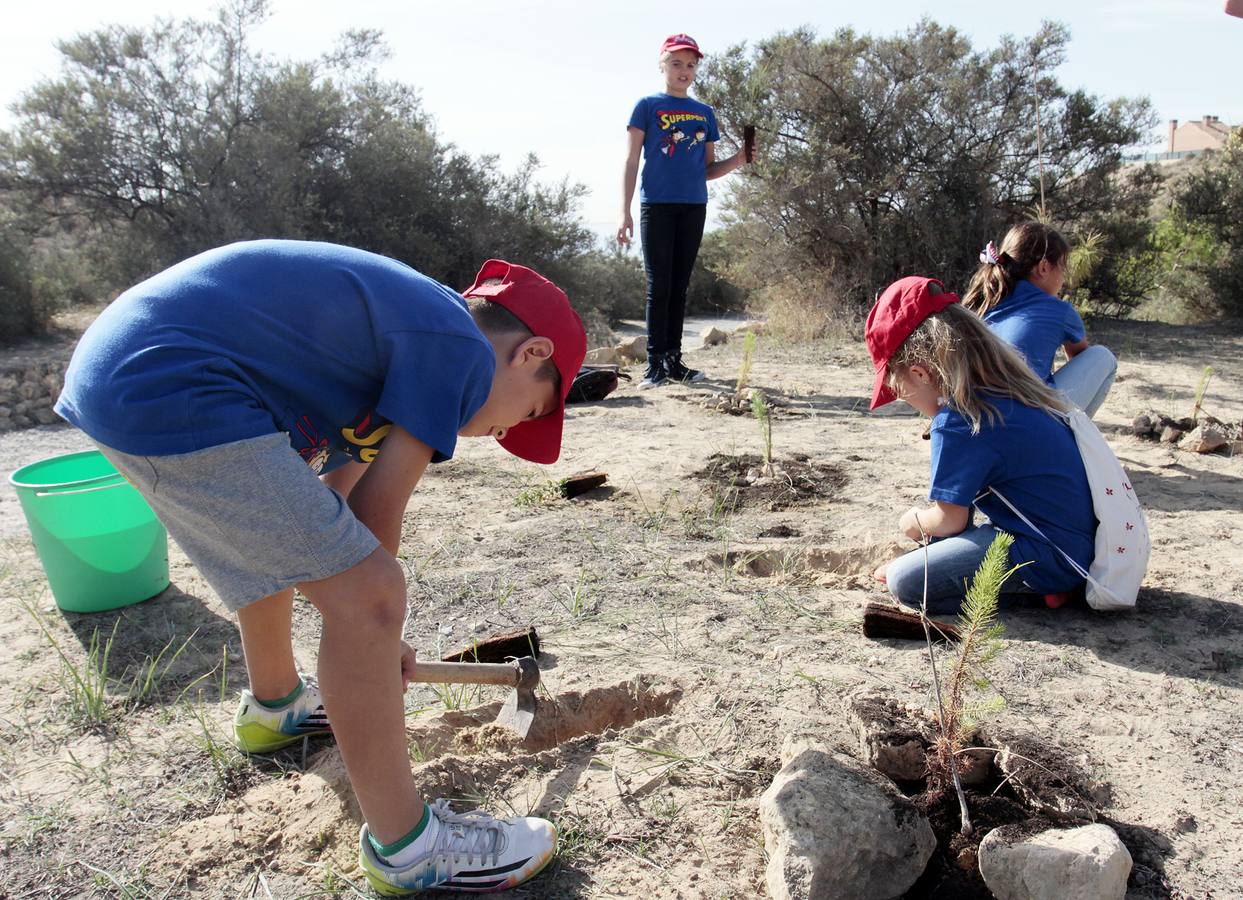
1086,378
952,563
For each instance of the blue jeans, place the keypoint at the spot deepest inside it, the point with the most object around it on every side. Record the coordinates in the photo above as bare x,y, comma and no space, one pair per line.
1086,378
952,563
671,234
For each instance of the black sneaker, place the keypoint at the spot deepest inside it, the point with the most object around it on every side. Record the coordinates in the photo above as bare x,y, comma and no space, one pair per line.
678,371
657,372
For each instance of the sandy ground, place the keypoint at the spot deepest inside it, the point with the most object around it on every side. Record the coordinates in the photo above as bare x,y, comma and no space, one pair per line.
687,631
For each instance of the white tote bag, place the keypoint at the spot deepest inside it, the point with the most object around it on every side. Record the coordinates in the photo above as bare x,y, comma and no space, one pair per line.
1122,542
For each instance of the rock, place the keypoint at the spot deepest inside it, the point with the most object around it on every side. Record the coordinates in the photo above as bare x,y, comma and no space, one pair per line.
603,356
712,336
633,349
1203,439
45,417
975,767
1170,435
1087,863
1143,425
834,828
889,739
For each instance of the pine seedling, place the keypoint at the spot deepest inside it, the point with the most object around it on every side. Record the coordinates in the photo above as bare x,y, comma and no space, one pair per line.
1200,389
744,369
979,643
764,416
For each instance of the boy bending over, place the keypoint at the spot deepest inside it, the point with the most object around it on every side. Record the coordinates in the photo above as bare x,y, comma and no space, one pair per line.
224,387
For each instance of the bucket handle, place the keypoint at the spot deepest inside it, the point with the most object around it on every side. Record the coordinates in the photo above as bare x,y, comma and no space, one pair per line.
86,490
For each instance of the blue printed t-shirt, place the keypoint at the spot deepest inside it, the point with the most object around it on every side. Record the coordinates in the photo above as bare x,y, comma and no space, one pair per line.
1031,458
1035,324
327,343
675,130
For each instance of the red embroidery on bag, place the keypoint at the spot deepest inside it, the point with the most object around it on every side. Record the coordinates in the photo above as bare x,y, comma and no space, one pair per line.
1109,491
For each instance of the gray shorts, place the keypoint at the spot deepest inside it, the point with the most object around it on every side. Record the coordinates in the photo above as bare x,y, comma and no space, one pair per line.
251,515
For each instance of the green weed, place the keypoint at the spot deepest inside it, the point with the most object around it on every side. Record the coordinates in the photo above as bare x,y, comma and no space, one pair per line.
538,495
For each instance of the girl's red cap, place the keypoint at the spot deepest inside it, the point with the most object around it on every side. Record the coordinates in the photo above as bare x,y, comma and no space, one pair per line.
545,309
897,313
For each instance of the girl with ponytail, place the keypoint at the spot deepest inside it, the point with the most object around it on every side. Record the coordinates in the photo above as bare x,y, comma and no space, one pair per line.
1015,290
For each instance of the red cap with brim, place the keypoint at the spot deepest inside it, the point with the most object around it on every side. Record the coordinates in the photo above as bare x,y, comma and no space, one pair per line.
546,311
676,42
897,313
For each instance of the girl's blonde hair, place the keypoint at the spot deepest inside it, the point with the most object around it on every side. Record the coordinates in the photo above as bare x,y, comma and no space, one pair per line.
1022,249
970,363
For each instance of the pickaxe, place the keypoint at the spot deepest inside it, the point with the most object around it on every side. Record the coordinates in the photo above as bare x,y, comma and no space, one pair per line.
521,674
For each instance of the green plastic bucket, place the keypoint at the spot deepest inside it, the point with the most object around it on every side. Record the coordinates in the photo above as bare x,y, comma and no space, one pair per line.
100,544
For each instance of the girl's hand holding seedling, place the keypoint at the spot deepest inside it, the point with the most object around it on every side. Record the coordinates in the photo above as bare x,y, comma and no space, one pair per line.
939,520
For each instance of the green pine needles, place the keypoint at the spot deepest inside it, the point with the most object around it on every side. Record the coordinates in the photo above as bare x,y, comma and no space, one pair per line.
764,416
979,643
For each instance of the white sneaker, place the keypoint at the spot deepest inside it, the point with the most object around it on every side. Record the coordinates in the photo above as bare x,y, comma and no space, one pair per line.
261,729
466,852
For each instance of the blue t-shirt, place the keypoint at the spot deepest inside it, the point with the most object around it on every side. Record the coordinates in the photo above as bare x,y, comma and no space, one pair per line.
1031,458
327,343
675,130
1035,324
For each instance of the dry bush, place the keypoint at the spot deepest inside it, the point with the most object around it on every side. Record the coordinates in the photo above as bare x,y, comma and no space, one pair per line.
806,309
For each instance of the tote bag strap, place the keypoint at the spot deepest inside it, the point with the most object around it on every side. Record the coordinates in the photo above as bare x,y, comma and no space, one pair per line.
1080,570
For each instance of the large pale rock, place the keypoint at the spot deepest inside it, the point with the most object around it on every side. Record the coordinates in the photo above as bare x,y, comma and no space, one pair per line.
1204,439
834,829
1088,863
712,336
603,356
634,349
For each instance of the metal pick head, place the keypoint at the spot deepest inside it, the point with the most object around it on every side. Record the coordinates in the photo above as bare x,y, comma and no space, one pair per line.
518,712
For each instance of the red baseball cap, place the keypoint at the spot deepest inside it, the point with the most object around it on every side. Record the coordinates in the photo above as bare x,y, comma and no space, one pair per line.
680,42
897,313
545,309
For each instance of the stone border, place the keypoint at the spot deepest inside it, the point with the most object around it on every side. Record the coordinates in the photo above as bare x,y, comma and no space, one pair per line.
27,393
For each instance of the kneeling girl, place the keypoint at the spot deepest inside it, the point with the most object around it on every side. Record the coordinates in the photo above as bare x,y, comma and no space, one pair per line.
994,425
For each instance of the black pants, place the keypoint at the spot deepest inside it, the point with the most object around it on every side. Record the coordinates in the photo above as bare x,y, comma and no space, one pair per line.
671,233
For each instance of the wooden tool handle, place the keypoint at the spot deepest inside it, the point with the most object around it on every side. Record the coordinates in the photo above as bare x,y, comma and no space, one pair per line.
466,673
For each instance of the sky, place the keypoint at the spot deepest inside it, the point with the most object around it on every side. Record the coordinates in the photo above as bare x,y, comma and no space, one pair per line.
558,78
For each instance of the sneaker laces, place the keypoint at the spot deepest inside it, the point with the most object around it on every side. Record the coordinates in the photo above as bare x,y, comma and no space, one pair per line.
468,836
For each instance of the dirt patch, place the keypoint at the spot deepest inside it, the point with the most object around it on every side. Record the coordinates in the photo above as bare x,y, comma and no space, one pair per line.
795,480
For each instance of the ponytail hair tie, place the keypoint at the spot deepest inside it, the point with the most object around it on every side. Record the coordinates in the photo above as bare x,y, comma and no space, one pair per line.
989,255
